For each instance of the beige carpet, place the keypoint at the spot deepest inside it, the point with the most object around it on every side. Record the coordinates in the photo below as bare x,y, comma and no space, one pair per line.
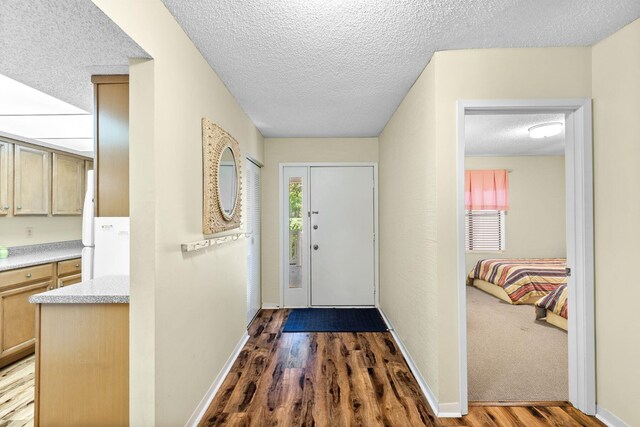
511,356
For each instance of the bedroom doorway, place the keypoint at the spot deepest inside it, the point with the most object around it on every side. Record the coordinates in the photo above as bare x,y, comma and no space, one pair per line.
525,237
515,247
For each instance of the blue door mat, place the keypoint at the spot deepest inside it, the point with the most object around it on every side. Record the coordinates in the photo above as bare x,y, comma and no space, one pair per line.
335,320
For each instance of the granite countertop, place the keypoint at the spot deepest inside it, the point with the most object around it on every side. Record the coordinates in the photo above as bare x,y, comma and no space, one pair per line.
27,256
103,290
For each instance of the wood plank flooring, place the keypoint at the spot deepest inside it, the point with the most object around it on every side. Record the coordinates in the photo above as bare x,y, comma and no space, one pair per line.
17,391
343,379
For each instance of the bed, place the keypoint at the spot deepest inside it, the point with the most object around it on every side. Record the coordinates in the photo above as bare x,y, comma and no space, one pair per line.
553,308
519,280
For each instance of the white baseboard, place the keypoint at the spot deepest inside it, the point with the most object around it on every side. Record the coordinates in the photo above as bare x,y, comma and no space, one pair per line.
445,410
608,418
217,383
449,410
270,306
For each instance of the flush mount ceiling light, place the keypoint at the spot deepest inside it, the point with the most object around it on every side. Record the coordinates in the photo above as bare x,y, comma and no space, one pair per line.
545,130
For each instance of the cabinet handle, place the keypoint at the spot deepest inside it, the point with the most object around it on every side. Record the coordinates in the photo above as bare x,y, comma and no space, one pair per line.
18,207
77,265
28,275
7,207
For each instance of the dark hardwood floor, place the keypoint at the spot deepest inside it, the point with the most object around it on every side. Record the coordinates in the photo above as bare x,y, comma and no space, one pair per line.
344,379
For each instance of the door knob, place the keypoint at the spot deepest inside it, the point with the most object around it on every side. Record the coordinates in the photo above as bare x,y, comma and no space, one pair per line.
315,247
315,227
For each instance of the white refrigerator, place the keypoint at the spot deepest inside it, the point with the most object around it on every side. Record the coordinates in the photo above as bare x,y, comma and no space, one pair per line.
105,240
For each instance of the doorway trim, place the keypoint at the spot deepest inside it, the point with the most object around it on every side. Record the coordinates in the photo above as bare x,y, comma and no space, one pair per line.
580,247
251,162
283,236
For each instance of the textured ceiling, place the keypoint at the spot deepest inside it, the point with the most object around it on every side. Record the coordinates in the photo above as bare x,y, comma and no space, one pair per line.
341,67
508,135
56,45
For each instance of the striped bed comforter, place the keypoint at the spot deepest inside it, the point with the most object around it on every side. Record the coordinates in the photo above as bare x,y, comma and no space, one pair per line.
522,278
556,302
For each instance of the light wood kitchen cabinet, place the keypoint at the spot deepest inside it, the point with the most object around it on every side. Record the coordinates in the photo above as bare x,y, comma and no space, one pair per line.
17,315
69,267
68,185
112,145
69,272
6,177
31,181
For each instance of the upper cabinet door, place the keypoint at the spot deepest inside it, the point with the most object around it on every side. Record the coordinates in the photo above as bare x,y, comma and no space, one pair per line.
68,185
112,145
5,177
31,186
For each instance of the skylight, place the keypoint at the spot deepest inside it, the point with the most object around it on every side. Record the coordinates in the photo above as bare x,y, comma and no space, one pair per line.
27,112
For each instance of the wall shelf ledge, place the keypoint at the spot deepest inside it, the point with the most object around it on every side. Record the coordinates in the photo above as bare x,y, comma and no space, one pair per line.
205,243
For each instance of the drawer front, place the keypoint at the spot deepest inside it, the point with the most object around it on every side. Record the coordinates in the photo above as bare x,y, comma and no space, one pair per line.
25,275
69,280
69,267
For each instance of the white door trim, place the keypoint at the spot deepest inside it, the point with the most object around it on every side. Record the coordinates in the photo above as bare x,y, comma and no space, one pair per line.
579,173
249,228
281,231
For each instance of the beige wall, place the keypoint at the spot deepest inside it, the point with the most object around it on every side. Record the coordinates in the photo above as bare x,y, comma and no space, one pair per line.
291,150
458,75
486,74
143,214
616,110
535,223
408,237
45,230
188,311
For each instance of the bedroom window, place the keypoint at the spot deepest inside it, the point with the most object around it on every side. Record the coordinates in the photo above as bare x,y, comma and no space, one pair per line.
484,230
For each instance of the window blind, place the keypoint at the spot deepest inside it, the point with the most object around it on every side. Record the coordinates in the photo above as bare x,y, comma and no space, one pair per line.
484,230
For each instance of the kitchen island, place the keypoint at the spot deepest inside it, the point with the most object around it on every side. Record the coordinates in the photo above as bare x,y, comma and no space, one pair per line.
82,354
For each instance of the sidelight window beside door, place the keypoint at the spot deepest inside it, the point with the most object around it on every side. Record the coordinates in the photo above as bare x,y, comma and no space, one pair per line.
295,232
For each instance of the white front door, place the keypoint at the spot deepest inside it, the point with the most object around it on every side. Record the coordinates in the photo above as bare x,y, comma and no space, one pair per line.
342,235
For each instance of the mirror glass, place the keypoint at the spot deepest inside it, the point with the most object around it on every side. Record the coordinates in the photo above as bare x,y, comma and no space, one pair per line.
227,182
